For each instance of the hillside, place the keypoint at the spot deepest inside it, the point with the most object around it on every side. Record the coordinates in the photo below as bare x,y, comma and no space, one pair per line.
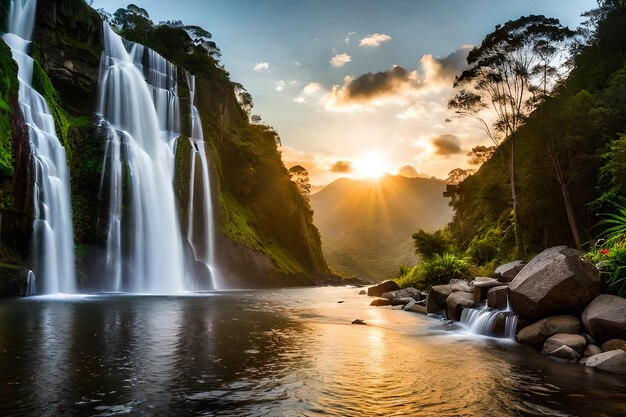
366,226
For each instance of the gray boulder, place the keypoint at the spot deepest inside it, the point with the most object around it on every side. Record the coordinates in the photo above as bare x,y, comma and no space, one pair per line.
436,299
613,361
482,285
401,301
563,354
383,287
538,332
498,297
507,272
456,302
592,350
605,317
556,281
574,341
613,344
460,285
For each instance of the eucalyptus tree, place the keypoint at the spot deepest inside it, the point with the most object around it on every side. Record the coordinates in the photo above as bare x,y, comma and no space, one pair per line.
499,89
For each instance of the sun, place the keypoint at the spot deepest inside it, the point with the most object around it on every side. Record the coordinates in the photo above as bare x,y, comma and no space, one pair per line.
371,166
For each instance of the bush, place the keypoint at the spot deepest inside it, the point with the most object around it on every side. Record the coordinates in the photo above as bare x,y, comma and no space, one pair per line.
436,271
429,245
609,254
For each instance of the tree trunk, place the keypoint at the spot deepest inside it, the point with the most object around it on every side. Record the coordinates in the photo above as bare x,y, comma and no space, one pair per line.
519,241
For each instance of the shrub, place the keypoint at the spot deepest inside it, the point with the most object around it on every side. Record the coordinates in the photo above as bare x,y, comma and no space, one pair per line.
436,271
428,245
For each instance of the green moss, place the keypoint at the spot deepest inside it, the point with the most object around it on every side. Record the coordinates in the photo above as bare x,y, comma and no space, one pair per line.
8,94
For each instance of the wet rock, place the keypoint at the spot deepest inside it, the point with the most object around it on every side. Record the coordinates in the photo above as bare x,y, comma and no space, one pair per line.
497,297
482,285
613,344
359,321
574,341
507,272
613,361
408,305
456,302
592,350
590,340
436,300
605,317
563,354
401,301
379,302
460,285
538,332
383,287
417,308
556,281
409,292
13,281
362,292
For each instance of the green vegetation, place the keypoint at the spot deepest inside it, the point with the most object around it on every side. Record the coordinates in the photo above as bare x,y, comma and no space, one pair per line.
440,269
429,245
609,253
8,94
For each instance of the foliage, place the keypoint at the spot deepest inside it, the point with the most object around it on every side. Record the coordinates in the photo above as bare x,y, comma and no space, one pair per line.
436,271
300,176
8,93
430,245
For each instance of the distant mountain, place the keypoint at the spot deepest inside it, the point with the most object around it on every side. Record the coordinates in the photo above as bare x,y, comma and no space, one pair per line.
366,226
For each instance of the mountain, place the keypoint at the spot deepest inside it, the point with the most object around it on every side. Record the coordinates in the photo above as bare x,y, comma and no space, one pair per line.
366,226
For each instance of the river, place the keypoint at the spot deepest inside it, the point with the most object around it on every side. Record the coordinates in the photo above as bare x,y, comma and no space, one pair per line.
290,352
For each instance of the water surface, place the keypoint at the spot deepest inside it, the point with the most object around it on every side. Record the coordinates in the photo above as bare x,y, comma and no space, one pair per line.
289,352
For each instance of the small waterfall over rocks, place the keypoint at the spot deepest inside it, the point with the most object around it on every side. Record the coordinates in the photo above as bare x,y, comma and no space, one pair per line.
139,111
489,321
53,242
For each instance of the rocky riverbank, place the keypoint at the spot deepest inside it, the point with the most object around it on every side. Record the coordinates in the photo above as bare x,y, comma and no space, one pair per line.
556,299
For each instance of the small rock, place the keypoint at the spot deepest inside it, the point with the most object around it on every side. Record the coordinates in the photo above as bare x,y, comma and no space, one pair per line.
614,344
436,300
498,297
402,301
359,321
563,354
460,285
574,341
538,332
409,305
507,272
404,293
613,361
379,302
416,308
362,292
339,302
481,287
590,340
592,350
383,287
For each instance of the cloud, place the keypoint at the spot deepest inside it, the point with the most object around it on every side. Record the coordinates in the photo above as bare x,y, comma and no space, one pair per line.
408,171
299,100
340,60
350,35
341,167
262,67
443,70
374,40
311,88
280,85
447,145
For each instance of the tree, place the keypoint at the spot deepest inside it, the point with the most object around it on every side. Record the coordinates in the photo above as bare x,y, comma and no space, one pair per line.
300,176
428,245
501,76
480,154
458,175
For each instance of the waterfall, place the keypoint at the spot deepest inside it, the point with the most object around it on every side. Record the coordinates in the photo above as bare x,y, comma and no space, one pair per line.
53,242
31,284
490,322
139,113
202,239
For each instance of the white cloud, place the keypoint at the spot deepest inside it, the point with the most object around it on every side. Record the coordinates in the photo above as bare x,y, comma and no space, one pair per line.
299,100
340,60
374,40
311,88
350,35
262,67
280,85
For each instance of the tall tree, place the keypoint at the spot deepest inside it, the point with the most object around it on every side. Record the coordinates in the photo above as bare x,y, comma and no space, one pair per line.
502,77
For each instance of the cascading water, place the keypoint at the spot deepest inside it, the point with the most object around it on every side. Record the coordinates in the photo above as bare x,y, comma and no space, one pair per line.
490,322
144,242
203,243
53,242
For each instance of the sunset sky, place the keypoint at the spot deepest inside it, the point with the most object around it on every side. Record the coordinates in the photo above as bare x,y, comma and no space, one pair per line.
356,84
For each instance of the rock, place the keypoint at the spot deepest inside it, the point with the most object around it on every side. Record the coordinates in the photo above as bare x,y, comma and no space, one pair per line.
614,344
362,292
383,287
456,302
379,302
401,301
556,281
605,317
507,272
359,321
563,354
436,299
590,340
613,361
416,308
538,332
408,305
13,281
481,287
592,350
498,297
460,285
574,341
404,293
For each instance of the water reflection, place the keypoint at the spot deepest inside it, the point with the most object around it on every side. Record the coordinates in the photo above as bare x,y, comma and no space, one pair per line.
290,352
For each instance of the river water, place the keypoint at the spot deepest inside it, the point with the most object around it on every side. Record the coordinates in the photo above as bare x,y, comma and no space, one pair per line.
291,352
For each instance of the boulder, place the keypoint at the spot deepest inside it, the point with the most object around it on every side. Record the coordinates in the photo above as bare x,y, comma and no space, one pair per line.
456,302
574,341
498,297
613,344
538,332
605,317
590,340
417,308
14,281
402,301
404,293
460,285
592,350
556,281
383,287
379,302
612,361
563,354
481,287
436,299
507,272
408,305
